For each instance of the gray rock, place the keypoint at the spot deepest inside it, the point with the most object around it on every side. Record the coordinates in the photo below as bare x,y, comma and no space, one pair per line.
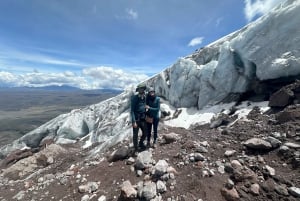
199,157
144,160
236,164
130,161
170,137
120,154
294,191
139,173
88,188
205,173
281,190
228,168
161,186
229,184
140,186
221,169
258,144
85,198
219,120
201,149
102,198
254,189
127,191
50,160
292,145
283,150
276,135
160,168
270,170
274,142
149,190
229,153
63,181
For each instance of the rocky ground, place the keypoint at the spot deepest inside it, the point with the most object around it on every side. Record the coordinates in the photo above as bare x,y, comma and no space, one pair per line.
254,158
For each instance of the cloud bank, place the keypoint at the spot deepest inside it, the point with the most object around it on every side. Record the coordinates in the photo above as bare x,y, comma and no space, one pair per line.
90,78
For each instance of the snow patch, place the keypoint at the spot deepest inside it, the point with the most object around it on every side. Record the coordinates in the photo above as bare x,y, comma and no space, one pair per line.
192,116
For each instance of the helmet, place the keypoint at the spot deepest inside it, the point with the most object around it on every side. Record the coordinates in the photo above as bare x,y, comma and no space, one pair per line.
141,85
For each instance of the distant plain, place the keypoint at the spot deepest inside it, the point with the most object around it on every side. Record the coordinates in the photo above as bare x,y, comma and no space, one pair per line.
22,110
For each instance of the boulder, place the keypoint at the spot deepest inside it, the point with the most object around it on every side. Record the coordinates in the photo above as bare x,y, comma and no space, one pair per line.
258,144
144,160
281,98
128,192
120,154
169,138
149,190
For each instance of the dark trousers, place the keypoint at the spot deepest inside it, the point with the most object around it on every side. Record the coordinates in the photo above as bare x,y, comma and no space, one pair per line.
149,129
140,125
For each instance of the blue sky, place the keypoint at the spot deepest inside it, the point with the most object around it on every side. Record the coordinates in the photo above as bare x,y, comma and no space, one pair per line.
109,43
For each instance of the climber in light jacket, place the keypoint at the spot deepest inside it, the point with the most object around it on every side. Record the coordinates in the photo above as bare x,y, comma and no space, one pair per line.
152,107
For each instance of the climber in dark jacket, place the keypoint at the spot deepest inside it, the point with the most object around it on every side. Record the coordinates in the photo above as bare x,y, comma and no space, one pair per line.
152,107
138,114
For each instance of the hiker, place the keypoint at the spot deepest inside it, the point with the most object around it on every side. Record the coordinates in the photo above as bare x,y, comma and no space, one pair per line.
138,114
152,108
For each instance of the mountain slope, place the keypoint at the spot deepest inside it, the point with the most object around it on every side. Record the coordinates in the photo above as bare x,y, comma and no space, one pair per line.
240,62
203,163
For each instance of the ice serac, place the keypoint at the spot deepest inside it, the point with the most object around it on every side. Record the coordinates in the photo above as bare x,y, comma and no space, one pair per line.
265,49
268,48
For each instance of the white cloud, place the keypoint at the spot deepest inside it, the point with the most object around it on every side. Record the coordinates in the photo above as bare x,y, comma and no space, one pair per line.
36,79
131,14
196,41
218,21
69,74
45,79
108,77
258,7
91,78
7,79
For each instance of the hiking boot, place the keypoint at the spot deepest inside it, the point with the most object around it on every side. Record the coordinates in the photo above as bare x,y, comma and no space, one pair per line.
148,145
142,147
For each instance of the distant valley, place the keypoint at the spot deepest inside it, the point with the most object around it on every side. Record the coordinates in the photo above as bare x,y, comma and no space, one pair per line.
24,109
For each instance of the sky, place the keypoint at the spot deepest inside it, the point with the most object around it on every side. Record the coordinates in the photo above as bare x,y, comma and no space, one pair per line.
93,44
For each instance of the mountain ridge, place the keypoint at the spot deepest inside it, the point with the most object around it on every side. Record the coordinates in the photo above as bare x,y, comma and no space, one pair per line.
60,88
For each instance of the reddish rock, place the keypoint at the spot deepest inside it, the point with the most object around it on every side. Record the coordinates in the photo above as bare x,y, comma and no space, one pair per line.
281,98
230,195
